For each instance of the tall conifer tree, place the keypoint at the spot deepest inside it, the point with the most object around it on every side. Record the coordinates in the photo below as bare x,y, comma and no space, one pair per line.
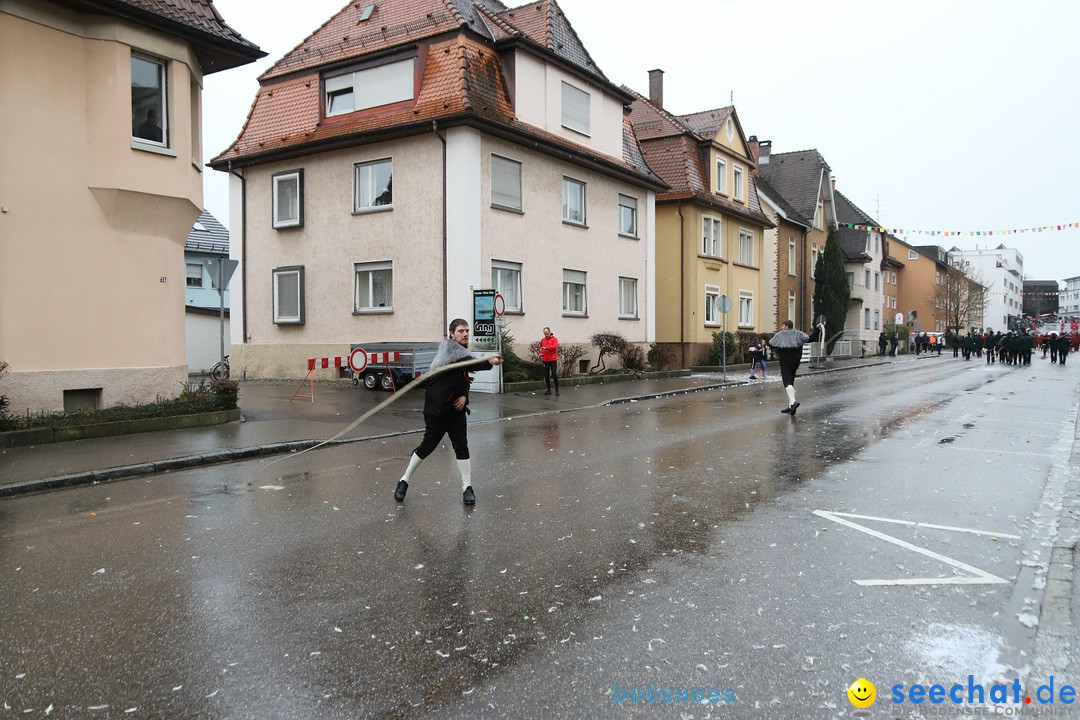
831,292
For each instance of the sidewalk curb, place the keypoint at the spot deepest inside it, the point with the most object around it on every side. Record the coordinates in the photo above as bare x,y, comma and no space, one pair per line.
90,477
1056,633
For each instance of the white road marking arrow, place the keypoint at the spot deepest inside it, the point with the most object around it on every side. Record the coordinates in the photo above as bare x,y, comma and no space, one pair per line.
980,577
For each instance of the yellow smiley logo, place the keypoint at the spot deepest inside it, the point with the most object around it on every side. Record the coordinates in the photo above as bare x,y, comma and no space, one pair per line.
862,693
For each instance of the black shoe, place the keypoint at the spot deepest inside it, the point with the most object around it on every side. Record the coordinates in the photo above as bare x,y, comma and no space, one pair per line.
556,393
399,492
794,407
548,392
786,410
468,497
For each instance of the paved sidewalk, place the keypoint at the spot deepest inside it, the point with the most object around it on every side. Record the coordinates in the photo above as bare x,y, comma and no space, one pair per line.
271,424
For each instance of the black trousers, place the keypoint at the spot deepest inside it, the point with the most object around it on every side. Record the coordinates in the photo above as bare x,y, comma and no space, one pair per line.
787,373
450,422
551,372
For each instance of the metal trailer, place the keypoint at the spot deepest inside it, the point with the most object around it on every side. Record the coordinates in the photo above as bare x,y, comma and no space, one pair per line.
393,364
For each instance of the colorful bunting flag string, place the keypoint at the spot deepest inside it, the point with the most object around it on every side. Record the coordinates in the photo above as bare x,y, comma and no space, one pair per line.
961,233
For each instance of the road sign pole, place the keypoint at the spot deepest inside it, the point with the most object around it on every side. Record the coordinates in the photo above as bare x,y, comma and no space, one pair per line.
221,313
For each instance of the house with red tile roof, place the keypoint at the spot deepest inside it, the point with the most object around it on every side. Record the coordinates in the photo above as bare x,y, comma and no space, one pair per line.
409,152
101,112
796,186
709,226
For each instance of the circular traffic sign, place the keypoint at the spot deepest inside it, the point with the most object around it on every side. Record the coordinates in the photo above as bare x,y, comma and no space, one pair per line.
499,304
358,360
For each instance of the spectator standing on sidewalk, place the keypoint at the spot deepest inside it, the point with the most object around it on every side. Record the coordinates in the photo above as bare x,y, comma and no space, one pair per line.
882,343
549,355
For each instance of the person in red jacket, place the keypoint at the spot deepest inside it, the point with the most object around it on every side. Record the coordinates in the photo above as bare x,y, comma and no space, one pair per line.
549,355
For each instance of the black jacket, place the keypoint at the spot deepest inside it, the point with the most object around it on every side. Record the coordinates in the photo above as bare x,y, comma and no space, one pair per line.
441,391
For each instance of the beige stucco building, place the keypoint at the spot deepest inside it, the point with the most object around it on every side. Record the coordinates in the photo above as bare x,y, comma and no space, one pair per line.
495,156
99,188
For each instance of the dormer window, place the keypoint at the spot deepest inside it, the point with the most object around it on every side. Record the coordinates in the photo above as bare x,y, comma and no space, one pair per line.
721,176
370,87
575,109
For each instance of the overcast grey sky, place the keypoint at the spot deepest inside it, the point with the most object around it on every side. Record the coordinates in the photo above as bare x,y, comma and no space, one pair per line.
957,115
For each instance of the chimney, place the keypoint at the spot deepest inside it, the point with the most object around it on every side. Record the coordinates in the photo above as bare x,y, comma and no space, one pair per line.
764,150
656,88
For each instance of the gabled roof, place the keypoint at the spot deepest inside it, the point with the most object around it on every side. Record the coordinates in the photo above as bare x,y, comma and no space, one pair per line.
789,213
852,240
216,45
396,23
544,23
674,150
207,235
798,177
708,123
462,81
850,213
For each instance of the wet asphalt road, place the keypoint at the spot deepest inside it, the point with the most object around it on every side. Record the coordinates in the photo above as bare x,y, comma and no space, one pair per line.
670,542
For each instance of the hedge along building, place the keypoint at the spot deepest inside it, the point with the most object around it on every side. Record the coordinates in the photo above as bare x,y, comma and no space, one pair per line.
710,226
100,135
410,151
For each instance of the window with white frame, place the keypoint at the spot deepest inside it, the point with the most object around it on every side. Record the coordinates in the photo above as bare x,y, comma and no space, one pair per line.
851,280
791,306
627,215
573,201
866,279
574,292
866,315
628,297
370,87
819,214
813,261
506,279
712,236
877,280
712,305
289,295
912,255
746,246
374,185
505,183
194,275
374,287
575,109
721,176
149,98
937,278
746,308
288,198
791,256
737,182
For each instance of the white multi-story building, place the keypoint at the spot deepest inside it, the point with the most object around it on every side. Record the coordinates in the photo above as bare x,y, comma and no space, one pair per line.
1069,301
1001,271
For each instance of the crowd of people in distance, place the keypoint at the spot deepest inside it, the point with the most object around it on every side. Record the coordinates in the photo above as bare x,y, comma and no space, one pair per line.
1014,348
1011,348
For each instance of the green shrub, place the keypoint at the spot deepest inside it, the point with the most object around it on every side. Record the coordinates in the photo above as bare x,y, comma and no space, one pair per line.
723,346
517,367
218,395
660,356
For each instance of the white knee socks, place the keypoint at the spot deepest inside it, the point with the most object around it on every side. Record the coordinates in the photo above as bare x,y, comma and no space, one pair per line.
414,462
465,468
790,390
